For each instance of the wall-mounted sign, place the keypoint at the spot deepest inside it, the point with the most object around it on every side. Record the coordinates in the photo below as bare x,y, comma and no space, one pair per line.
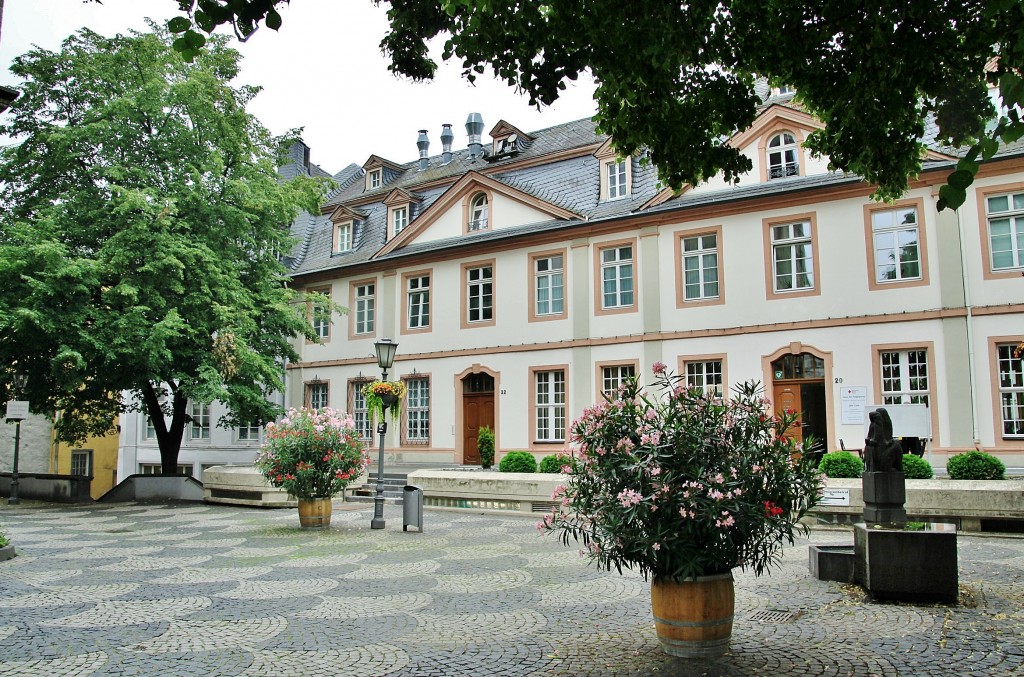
853,399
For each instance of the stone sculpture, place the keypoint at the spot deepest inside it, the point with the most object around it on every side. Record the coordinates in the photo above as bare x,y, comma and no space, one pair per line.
881,452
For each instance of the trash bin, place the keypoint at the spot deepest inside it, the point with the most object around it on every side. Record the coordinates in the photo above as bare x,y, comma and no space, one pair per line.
412,508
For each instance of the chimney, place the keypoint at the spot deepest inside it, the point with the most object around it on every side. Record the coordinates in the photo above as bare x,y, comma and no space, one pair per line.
446,143
423,144
475,127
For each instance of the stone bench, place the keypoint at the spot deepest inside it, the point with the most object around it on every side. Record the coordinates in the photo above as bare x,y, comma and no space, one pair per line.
243,485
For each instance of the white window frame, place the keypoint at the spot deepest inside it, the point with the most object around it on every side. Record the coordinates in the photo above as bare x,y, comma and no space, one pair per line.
1013,217
905,376
375,178
399,219
480,294
708,375
418,293
366,301
888,230
782,156
1010,378
617,269
321,320
343,237
478,213
549,403
616,175
549,284
361,412
417,410
785,239
77,456
701,260
157,468
248,433
318,394
614,375
199,426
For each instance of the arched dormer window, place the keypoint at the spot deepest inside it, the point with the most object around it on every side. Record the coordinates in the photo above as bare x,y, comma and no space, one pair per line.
477,213
782,156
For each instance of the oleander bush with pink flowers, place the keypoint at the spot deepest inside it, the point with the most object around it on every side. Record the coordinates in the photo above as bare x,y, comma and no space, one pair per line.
677,483
312,453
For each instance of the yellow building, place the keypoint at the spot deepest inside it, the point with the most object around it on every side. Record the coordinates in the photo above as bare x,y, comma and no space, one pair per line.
97,456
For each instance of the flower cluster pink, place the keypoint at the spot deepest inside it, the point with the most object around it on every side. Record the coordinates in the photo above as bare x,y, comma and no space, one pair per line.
628,497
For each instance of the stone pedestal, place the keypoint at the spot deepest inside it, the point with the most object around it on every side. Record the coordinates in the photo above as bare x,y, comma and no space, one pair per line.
832,562
884,496
907,566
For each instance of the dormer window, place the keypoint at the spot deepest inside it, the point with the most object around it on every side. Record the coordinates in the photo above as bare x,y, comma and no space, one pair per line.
399,219
618,186
373,179
782,156
343,237
477,213
783,89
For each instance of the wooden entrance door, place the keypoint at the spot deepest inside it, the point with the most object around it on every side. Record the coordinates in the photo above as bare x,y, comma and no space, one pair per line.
787,396
477,411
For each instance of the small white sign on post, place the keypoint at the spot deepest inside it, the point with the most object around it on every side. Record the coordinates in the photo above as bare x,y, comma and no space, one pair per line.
853,399
17,410
834,497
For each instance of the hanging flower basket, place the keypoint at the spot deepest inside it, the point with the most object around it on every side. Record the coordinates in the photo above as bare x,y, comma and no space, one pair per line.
384,396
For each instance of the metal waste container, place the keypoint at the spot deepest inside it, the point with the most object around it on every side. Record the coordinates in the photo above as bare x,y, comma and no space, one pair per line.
412,508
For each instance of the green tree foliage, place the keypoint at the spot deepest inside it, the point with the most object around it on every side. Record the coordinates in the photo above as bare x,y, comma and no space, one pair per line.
140,223
677,78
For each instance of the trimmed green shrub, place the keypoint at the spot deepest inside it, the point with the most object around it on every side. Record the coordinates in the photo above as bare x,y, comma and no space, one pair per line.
553,463
3,539
518,461
485,445
975,465
916,468
841,464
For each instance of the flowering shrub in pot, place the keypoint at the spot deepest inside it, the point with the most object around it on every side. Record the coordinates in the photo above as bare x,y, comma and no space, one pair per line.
684,485
313,454
384,396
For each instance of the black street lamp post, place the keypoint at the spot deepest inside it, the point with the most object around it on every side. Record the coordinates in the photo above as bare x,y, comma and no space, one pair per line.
385,358
16,413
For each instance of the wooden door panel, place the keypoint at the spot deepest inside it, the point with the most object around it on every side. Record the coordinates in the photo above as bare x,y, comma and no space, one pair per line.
787,396
477,411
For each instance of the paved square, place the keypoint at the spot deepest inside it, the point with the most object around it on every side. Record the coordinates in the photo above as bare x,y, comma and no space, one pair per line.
204,590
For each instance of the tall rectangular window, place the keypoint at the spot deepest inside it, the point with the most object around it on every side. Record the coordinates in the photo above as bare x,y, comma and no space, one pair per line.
418,301
904,376
617,277
374,178
700,267
360,412
200,425
417,411
400,219
479,294
317,395
617,187
365,302
897,244
1006,230
81,462
549,286
706,375
792,256
343,237
322,317
1011,391
549,405
614,376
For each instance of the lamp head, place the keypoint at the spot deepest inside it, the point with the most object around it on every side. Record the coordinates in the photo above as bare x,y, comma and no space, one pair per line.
386,349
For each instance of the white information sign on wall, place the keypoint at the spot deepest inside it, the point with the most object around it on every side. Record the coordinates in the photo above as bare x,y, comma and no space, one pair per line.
853,399
834,497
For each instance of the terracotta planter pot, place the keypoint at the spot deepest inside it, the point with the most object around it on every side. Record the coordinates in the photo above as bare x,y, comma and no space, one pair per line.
314,513
694,617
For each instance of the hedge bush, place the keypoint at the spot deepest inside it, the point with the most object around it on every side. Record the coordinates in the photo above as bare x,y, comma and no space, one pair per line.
975,465
518,461
553,463
3,539
841,464
485,445
916,468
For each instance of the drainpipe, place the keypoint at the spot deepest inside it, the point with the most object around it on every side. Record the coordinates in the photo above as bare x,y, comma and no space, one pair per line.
970,334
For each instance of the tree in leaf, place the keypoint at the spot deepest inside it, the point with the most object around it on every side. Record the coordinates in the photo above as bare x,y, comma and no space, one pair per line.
141,216
677,78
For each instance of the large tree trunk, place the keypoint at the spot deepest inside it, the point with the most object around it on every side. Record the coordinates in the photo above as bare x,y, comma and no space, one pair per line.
168,438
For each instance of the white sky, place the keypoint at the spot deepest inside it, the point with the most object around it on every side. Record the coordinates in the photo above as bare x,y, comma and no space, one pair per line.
322,71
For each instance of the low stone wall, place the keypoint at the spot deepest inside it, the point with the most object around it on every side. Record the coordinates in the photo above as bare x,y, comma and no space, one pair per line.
965,503
49,487
487,490
155,488
243,485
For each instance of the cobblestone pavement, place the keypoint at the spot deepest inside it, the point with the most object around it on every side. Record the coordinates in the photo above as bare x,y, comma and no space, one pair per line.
206,590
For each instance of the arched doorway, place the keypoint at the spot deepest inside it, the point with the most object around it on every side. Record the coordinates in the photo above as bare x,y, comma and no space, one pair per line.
799,384
477,411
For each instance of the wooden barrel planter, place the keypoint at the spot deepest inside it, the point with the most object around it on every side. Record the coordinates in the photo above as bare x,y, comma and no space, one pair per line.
693,617
314,513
